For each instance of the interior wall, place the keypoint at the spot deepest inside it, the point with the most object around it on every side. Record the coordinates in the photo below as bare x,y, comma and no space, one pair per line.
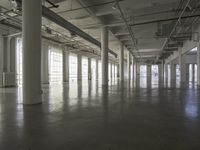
188,59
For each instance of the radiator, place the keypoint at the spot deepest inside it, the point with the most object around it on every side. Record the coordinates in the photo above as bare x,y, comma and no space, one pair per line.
9,79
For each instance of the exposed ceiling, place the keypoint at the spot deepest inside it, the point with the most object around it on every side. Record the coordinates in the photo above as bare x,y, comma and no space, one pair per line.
151,22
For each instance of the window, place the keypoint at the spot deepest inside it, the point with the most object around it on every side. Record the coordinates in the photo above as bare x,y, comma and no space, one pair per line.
73,66
19,61
84,67
100,70
55,65
93,67
143,70
169,73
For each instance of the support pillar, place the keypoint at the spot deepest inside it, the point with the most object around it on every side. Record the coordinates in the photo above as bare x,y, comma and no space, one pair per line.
31,33
118,72
45,63
193,73
166,72
65,65
97,69
6,54
187,66
137,69
89,69
149,70
111,71
198,64
121,63
104,55
182,66
79,70
128,66
161,71
133,67
13,54
173,71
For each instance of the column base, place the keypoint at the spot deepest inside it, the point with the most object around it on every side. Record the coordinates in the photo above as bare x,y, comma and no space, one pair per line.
32,99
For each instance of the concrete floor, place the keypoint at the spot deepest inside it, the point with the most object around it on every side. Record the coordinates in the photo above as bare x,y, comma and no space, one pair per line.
85,117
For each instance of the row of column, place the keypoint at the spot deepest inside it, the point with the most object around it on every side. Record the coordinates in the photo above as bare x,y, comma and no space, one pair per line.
31,33
79,69
183,67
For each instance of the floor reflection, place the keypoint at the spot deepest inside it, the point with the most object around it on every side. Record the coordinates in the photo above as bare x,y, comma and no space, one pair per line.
84,114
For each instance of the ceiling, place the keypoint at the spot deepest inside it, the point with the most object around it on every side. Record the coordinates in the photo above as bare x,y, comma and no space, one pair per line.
150,21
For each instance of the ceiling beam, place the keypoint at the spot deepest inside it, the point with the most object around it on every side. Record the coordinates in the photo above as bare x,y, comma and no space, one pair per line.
49,14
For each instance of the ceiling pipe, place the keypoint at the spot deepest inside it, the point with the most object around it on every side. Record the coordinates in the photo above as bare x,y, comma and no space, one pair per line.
129,29
165,20
88,6
53,5
49,14
174,28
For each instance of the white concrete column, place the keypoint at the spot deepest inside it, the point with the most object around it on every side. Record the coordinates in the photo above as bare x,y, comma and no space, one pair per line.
187,70
180,62
6,54
79,70
193,72
166,72
182,66
121,62
114,73
45,63
173,71
104,55
89,69
65,65
115,70
133,67
118,72
128,65
137,69
9,59
149,70
97,69
13,54
161,71
198,64
111,71
31,33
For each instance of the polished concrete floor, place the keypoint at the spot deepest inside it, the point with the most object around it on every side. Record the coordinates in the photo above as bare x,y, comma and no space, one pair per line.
87,116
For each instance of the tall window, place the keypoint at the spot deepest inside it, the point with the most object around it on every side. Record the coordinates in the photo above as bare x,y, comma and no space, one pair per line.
73,66
115,71
100,69
154,74
195,72
143,70
154,70
177,73
19,61
190,72
109,70
84,67
169,73
55,65
93,67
